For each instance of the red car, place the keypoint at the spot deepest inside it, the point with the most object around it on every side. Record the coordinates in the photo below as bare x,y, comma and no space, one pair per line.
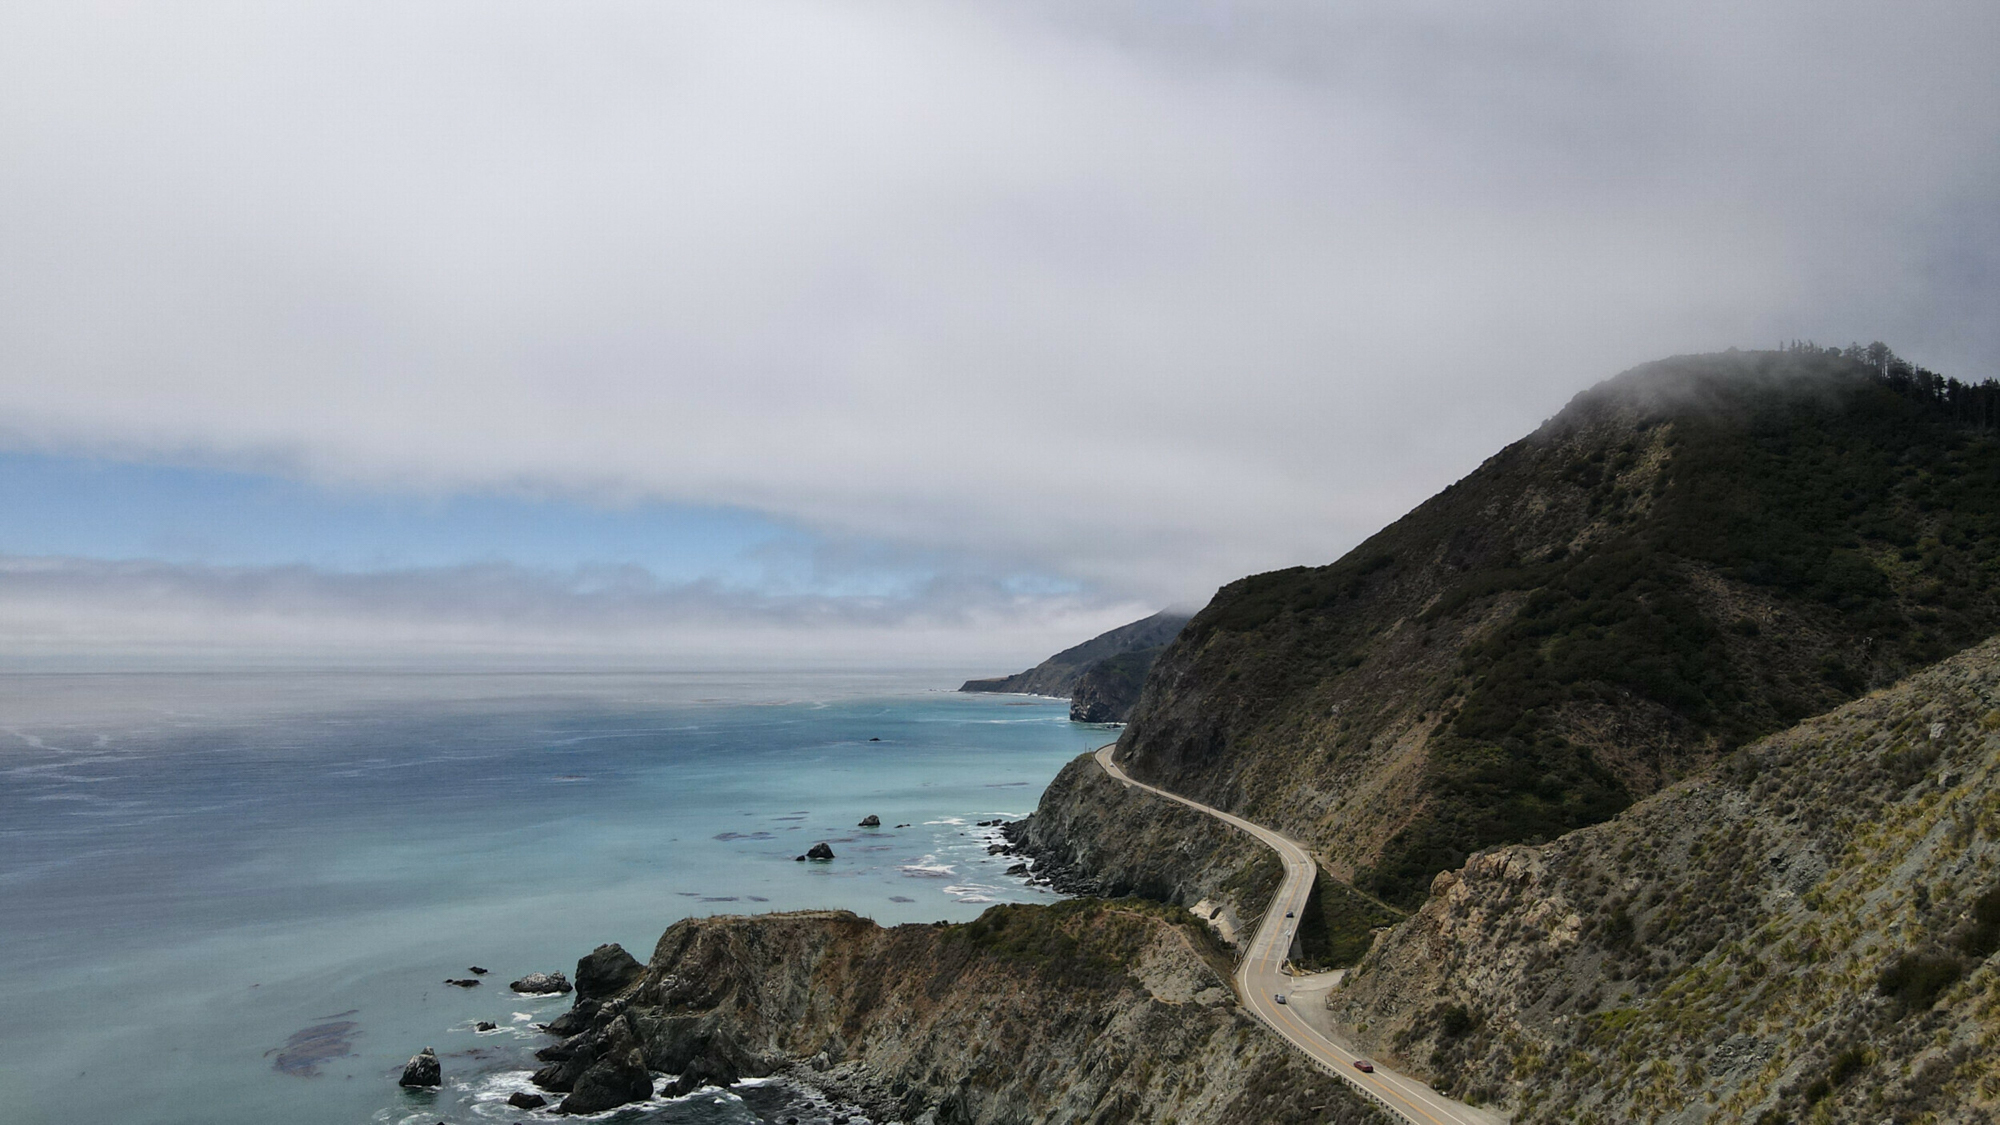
1364,1066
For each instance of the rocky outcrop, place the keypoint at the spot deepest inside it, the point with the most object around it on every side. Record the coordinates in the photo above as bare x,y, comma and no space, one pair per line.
617,1078
541,984
870,821
820,851
1094,835
1806,933
422,1071
1058,674
1084,1011
605,971
1108,689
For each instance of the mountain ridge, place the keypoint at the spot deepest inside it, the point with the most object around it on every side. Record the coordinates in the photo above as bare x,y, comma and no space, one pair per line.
1058,675
1690,555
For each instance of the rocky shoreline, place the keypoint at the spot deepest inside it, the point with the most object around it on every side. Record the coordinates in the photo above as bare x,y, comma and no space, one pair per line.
1089,1010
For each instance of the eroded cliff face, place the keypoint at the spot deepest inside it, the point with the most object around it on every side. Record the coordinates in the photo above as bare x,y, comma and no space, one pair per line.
1088,1011
1803,935
1094,835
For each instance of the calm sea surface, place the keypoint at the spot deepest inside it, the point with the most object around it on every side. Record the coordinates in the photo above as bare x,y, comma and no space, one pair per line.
235,897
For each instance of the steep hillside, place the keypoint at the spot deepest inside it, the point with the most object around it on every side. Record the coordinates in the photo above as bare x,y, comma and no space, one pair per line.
1087,1011
1107,838
1694,554
1058,674
1109,689
1804,934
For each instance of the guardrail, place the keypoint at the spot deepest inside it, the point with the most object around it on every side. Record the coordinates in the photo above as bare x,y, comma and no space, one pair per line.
1336,1072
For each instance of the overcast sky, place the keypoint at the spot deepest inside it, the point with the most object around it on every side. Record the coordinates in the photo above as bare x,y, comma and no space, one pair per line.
897,330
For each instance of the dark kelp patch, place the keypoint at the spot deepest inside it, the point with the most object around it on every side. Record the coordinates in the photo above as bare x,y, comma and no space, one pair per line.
306,1049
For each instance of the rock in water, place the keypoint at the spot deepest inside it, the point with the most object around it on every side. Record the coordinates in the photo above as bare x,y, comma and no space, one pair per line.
709,1070
476,971
520,1100
422,1071
605,971
611,1081
482,1025
819,851
463,982
871,821
541,983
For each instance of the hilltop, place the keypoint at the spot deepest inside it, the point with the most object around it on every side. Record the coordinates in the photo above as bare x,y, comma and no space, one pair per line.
1689,556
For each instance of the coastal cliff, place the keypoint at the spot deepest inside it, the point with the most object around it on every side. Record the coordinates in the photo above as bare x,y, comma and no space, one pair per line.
1554,714
1094,835
1804,933
1058,675
1087,1011
1108,690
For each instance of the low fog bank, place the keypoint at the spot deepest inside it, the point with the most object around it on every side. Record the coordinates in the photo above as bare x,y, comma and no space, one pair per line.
89,615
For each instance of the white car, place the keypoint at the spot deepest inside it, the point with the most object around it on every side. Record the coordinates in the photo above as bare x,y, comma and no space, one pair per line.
1279,996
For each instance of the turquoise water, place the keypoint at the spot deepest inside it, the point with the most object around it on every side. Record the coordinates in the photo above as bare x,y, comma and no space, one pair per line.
197,869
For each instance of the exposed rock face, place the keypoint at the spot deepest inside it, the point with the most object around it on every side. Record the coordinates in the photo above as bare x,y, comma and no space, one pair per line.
541,983
870,821
1108,689
422,1070
1086,1011
819,851
605,971
1805,933
521,1100
1097,836
1058,674
615,1079
1692,555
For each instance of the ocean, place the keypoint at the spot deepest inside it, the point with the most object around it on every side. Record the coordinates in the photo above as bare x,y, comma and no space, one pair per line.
235,897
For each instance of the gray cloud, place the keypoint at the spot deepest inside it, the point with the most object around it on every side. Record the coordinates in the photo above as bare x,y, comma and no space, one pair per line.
54,607
1144,296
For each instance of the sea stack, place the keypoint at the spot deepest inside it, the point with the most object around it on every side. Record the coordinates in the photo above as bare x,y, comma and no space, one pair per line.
422,1071
541,983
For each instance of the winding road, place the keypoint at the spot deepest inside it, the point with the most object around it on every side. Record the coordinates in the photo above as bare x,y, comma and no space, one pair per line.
1260,979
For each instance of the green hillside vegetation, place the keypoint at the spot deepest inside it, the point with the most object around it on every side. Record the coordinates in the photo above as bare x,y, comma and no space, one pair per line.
1689,556
1338,924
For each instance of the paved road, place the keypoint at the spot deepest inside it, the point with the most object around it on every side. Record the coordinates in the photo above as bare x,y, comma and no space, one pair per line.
1260,978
